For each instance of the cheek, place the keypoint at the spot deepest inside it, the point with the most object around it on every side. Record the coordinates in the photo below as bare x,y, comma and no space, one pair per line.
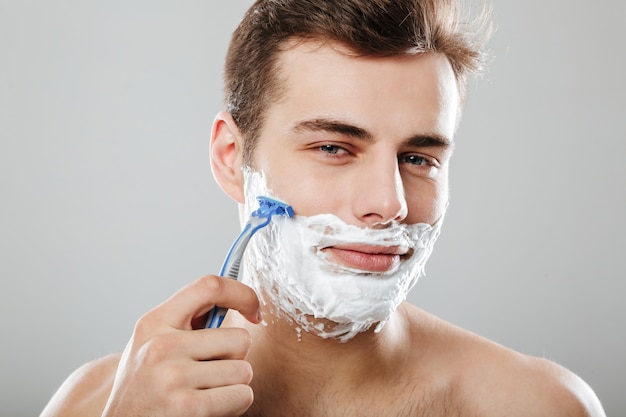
283,182
308,190
306,194
427,202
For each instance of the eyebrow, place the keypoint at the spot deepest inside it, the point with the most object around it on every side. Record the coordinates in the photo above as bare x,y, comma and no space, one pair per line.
343,128
432,140
333,126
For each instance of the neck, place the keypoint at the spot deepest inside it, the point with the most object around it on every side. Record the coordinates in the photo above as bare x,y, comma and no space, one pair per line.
281,353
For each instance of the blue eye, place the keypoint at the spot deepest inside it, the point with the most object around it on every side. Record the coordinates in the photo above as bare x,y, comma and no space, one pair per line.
330,149
415,160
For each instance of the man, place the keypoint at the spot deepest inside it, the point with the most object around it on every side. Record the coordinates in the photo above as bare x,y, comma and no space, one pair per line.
347,111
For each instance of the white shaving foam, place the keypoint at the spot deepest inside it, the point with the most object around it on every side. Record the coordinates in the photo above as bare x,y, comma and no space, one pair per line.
286,265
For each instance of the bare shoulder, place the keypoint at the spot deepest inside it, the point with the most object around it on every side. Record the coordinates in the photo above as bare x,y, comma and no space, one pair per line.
523,385
85,392
487,378
556,387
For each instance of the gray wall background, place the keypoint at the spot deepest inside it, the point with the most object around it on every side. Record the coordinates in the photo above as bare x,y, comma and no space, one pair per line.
108,204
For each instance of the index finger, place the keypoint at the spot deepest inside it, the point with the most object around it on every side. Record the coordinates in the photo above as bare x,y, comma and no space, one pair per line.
197,298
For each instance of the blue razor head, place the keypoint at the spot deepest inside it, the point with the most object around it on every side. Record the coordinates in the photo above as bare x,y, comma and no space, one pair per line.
269,207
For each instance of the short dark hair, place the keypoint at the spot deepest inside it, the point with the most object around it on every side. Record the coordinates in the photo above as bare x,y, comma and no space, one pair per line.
378,28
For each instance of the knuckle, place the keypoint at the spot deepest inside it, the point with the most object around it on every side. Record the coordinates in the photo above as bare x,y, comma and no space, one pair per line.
174,377
246,396
185,403
212,284
232,400
238,397
155,350
245,372
143,327
242,342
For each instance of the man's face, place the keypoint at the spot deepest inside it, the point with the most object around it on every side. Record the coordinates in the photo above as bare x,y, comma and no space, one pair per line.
366,139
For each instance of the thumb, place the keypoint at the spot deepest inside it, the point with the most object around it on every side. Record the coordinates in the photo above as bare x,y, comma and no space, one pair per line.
183,309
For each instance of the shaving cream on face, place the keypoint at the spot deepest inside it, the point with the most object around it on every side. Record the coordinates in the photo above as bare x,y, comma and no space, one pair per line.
286,264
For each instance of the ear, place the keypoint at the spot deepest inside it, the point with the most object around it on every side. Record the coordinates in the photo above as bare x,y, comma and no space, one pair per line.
226,156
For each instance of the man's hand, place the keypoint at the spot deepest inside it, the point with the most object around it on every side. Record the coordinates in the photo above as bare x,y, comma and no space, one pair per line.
172,366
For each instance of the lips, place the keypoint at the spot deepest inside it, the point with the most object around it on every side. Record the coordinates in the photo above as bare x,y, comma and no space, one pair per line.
366,257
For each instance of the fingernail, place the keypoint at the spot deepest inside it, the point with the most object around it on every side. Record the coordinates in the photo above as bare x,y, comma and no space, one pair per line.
259,316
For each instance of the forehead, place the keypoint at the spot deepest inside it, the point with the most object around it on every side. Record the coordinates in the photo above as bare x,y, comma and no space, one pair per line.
405,93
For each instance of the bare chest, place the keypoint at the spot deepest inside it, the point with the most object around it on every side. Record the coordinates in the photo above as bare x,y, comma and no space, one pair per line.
388,401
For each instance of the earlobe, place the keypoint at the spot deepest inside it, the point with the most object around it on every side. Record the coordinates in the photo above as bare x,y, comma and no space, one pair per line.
226,156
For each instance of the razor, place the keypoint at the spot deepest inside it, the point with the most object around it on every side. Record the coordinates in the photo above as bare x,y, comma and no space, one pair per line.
259,218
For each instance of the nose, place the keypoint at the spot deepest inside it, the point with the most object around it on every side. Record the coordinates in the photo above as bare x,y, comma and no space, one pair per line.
379,196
